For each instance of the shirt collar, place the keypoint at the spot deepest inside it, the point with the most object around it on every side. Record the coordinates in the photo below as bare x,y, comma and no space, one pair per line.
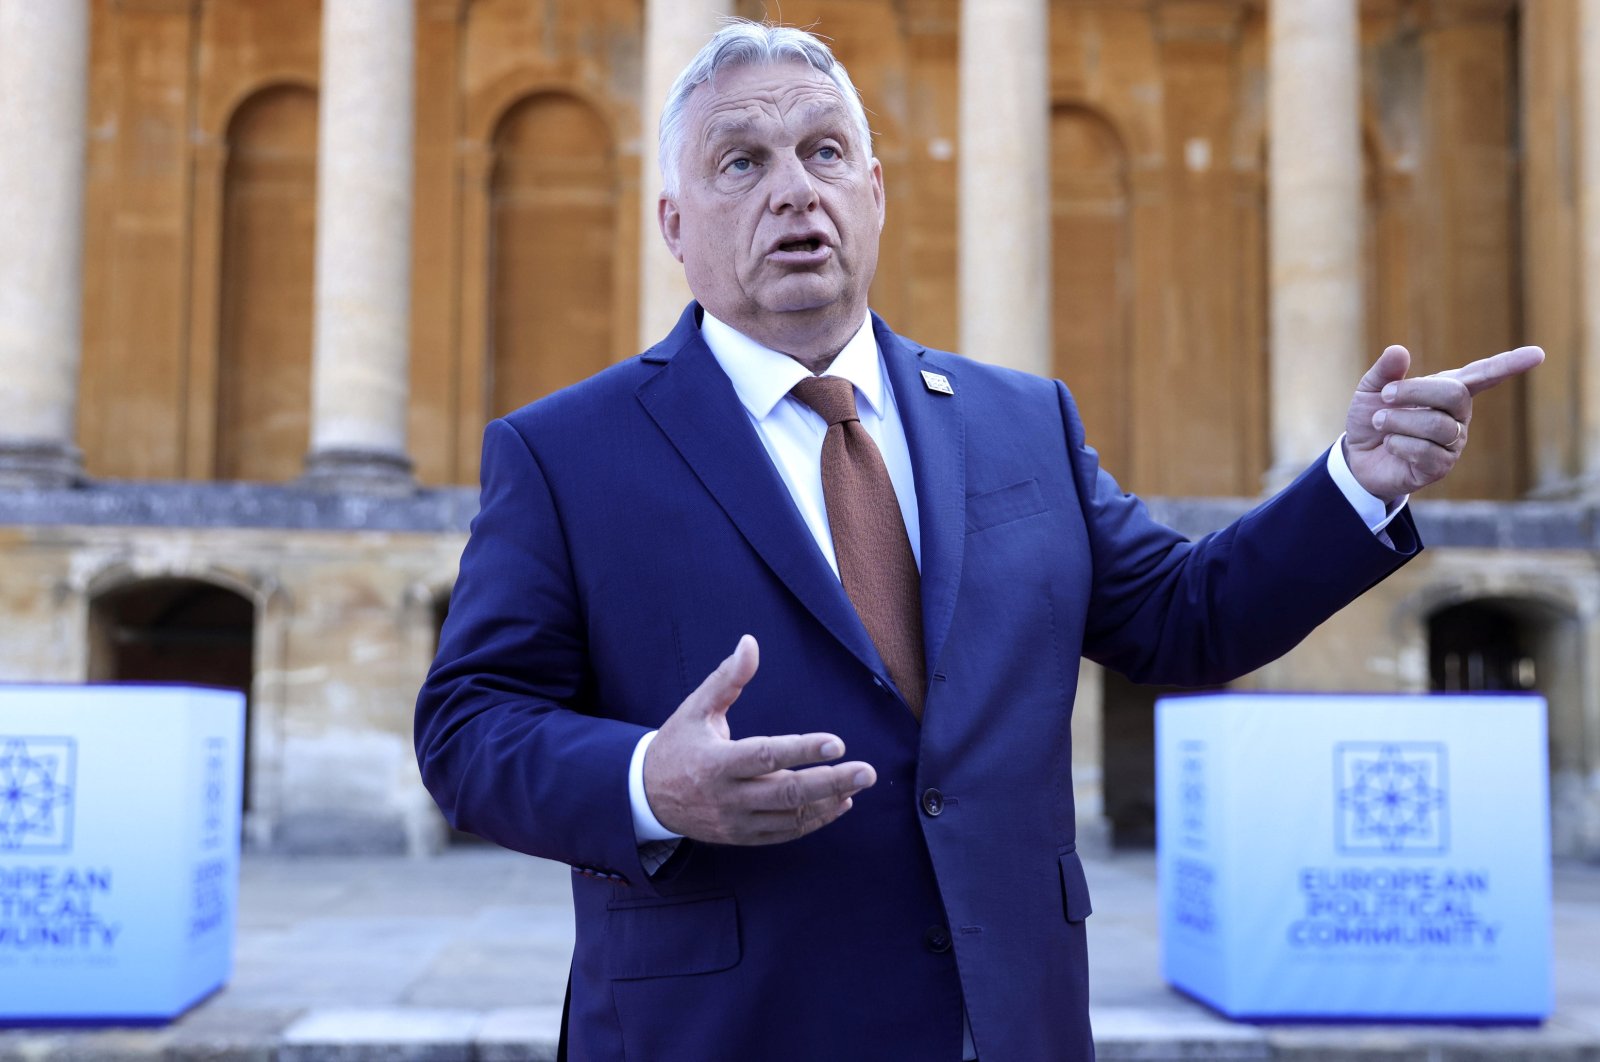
762,376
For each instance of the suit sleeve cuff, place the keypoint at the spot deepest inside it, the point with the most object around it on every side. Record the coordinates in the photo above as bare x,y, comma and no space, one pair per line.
1370,508
645,826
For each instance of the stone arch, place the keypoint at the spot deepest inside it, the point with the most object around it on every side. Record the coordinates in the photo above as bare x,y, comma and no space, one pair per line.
1498,643
176,629
118,577
128,569
554,208
1540,626
268,208
217,115
488,109
1092,275
1526,643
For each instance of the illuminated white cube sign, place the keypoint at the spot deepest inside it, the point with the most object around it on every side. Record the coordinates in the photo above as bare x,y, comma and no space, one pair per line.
119,850
1371,858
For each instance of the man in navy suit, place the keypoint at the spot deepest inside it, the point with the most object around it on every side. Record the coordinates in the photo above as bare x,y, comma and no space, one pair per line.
741,890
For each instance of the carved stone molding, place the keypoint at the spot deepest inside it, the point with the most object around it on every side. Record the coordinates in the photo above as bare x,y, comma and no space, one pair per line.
188,8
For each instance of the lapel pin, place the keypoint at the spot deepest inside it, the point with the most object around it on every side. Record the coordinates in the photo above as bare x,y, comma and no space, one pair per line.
936,383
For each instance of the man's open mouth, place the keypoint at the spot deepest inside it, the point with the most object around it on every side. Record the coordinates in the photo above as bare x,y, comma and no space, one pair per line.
800,245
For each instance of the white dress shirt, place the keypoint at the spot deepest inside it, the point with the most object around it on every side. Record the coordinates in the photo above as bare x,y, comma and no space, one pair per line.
792,434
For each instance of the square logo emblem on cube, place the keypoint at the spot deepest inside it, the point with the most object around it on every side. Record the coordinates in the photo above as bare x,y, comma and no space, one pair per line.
36,783
1391,798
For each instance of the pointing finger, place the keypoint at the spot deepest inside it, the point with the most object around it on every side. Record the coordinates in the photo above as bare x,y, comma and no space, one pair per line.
722,687
1487,372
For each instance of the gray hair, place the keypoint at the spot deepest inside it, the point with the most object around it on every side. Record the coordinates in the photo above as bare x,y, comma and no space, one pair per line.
741,42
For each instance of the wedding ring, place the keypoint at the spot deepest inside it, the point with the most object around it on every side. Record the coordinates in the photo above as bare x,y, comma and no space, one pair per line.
1461,430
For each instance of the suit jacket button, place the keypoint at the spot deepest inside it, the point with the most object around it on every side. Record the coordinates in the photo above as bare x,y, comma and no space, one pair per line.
937,939
932,803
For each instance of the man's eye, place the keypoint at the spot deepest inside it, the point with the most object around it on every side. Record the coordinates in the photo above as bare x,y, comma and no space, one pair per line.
828,154
740,166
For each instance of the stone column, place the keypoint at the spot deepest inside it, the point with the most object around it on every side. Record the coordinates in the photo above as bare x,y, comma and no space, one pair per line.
1004,174
360,345
1588,120
1314,215
673,31
44,98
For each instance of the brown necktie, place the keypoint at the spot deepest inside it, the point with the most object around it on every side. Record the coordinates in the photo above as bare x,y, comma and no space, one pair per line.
869,535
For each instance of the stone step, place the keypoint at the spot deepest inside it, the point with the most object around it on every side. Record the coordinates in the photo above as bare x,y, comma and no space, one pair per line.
414,1034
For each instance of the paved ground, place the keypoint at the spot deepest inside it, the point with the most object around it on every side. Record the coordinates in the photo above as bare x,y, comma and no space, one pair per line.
463,958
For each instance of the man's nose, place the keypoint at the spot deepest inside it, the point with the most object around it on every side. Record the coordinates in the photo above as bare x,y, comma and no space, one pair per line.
791,186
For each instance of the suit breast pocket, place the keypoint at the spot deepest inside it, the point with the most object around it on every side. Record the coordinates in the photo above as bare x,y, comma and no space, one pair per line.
1005,505
672,937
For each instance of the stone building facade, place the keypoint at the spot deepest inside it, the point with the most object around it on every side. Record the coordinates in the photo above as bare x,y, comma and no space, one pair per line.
267,267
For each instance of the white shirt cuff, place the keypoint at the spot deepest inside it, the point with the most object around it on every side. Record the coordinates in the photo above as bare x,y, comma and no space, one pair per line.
1367,506
645,826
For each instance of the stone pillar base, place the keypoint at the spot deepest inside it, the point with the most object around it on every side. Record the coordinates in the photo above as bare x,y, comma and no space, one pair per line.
39,464
359,471
1576,488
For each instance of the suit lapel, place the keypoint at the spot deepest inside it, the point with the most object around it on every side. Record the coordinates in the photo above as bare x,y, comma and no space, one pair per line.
935,434
694,404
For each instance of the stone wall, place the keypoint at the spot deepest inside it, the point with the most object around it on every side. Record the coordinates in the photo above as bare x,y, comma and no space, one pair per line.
344,631
347,590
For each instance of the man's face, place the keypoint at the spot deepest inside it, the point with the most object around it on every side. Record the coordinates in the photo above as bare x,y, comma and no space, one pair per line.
779,205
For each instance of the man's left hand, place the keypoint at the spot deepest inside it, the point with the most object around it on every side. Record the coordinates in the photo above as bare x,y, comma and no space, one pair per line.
1401,435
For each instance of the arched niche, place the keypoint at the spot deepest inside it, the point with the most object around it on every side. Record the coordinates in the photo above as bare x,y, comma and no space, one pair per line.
176,630
1092,277
269,195
1501,644
553,217
1512,643
1526,644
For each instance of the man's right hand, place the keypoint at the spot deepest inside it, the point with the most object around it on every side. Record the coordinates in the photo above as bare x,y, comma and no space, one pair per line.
707,787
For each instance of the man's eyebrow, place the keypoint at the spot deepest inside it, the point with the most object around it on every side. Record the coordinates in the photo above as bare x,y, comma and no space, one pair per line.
814,115
827,113
728,128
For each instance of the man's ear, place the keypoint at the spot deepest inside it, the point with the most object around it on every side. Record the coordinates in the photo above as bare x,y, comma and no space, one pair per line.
878,193
671,222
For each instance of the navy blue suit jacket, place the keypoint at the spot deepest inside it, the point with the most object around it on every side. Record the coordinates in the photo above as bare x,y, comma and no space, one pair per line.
633,527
